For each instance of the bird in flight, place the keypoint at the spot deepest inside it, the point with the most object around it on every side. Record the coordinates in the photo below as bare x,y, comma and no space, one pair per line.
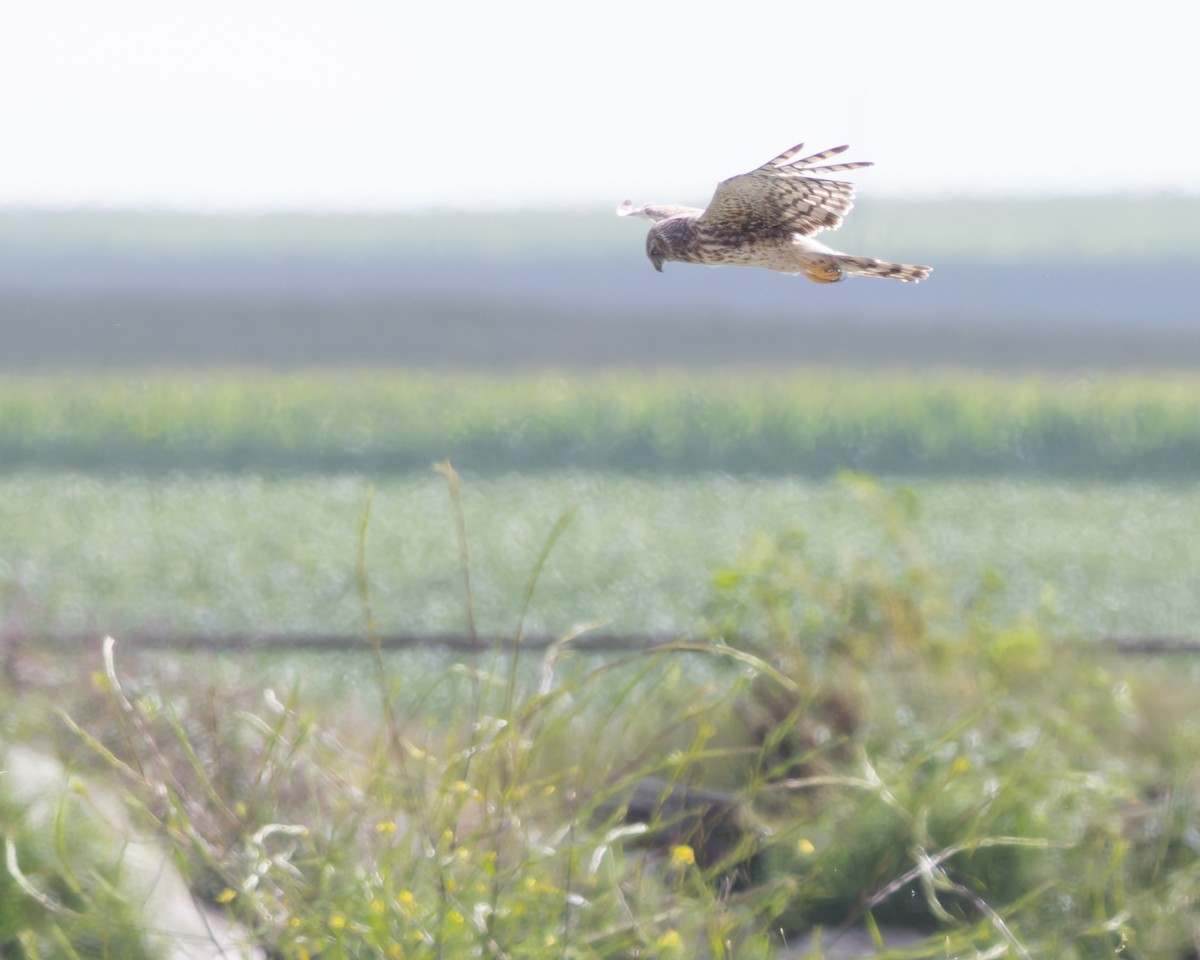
768,218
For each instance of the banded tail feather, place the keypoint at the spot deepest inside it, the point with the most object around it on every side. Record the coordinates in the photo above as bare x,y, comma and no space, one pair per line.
870,267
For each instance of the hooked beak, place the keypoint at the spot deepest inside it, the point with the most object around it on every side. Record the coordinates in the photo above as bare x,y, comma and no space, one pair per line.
658,262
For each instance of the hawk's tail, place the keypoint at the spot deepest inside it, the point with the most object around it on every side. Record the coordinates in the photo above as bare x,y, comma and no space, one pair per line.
870,267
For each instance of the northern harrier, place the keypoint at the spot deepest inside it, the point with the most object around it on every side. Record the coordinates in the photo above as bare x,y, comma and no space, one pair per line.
768,218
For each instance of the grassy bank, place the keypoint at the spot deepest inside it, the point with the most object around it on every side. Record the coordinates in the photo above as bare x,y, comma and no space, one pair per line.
889,752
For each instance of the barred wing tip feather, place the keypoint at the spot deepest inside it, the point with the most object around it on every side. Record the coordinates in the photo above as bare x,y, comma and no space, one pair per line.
811,163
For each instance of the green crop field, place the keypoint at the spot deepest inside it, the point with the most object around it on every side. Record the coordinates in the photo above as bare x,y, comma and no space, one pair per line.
790,422
221,554
233,502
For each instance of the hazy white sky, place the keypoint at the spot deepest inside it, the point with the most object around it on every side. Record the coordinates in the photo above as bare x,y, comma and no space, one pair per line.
401,104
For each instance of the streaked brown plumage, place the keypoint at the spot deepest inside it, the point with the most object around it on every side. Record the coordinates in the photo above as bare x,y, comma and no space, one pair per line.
767,218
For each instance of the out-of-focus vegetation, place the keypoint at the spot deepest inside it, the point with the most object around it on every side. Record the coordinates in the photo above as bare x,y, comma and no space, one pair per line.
894,751
796,422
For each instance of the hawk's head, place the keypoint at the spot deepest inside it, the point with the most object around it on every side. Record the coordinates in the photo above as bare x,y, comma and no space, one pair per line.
657,249
671,239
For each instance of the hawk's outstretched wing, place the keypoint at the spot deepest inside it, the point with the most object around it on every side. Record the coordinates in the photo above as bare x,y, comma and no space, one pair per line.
781,197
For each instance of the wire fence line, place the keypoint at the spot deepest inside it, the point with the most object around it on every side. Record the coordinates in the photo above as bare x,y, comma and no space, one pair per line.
249,642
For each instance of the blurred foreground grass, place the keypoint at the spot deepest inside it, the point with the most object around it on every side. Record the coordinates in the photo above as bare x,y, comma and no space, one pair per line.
894,751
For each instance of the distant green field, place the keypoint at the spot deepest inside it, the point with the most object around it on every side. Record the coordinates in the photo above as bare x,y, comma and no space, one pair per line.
1117,228
232,553
785,422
